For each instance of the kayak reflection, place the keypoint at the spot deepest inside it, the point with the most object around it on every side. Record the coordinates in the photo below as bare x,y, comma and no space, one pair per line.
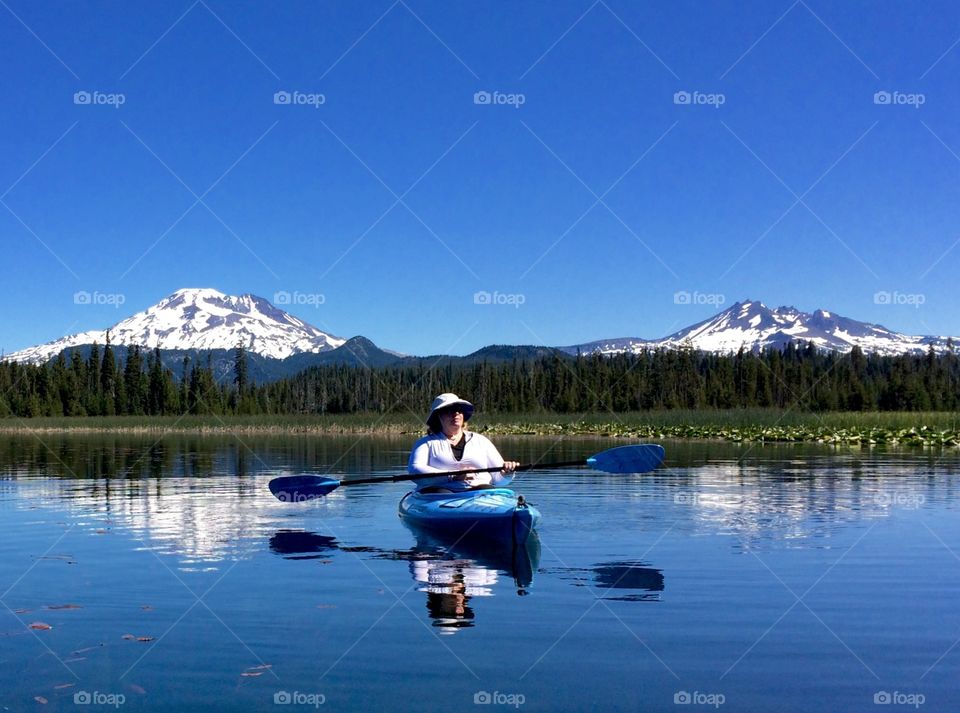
458,569
449,571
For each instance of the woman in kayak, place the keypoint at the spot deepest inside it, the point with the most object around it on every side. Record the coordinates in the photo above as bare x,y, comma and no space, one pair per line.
448,445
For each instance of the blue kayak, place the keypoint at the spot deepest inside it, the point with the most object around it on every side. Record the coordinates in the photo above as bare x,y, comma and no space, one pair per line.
494,513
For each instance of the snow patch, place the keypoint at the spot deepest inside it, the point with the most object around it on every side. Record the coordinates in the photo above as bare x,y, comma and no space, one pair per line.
753,326
202,319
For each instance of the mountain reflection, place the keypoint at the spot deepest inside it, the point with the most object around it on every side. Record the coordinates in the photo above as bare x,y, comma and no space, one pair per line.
204,498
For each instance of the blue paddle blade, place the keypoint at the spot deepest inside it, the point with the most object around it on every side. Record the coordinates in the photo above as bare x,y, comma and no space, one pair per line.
300,488
628,459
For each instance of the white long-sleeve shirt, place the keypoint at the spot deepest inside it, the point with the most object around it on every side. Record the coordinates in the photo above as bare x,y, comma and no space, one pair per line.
434,454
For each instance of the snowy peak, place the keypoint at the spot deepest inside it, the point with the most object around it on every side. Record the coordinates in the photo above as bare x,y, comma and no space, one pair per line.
753,326
202,319
207,319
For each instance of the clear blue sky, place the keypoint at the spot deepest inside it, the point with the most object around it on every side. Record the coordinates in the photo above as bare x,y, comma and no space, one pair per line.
597,199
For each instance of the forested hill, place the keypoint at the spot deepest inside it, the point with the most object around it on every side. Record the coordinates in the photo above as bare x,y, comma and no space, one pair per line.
138,383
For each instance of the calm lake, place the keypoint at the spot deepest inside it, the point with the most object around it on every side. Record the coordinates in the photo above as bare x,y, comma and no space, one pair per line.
139,574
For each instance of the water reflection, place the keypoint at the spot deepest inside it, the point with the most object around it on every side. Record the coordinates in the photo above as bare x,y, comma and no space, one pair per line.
795,499
466,569
639,581
449,586
98,455
450,572
204,498
302,545
646,582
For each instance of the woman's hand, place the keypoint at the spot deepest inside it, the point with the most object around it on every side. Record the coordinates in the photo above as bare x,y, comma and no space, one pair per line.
509,466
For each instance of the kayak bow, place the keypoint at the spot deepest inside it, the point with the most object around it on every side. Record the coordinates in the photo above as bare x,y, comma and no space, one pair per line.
492,513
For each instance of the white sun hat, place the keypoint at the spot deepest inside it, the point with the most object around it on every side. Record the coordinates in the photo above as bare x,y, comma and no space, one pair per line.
445,400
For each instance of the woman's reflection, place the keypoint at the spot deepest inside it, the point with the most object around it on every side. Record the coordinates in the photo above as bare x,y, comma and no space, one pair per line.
450,585
467,569
450,573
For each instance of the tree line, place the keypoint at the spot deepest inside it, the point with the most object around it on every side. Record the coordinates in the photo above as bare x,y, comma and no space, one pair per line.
102,384
797,376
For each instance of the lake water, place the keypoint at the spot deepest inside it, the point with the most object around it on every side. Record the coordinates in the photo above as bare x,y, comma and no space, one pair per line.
163,576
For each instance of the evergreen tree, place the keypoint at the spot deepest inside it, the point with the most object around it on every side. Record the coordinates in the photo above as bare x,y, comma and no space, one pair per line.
135,383
108,381
93,402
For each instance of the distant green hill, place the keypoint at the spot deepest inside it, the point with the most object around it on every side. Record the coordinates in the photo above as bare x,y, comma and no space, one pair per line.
358,351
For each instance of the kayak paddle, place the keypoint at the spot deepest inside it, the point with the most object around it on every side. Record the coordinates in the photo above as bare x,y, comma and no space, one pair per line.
623,459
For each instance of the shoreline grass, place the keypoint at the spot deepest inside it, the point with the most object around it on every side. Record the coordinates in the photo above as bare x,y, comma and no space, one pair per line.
754,425
328,424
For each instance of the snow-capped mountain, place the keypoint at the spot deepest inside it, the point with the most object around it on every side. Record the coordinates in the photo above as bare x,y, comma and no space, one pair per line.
753,325
205,319
202,319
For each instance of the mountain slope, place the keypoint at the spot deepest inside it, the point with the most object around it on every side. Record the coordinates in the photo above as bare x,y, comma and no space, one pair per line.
202,319
753,326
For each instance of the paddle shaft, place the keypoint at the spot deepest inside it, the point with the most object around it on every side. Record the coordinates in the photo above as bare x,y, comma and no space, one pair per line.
641,458
423,476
